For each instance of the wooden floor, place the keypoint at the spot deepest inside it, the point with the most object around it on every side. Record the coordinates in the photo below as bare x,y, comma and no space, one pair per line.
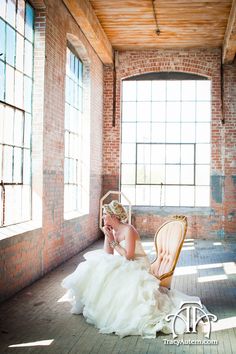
36,321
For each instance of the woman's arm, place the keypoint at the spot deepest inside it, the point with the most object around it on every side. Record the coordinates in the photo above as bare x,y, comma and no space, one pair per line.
108,238
107,248
128,253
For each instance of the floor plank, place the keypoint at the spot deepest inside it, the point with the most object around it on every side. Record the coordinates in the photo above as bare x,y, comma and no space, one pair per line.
36,313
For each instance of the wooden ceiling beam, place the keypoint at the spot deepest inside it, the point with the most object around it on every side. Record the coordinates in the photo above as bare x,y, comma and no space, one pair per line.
229,44
84,15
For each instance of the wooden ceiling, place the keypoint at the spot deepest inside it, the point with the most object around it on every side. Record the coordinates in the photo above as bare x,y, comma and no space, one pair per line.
183,23
130,24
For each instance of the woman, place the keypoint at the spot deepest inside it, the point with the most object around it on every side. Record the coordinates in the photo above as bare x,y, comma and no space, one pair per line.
114,287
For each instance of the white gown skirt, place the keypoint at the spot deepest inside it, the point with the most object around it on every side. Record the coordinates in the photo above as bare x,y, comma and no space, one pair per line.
121,296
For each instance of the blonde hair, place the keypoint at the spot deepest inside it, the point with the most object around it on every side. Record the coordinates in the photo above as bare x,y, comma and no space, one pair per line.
117,209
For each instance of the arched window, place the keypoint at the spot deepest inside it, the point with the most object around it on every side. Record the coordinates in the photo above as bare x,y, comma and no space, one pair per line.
166,134
77,131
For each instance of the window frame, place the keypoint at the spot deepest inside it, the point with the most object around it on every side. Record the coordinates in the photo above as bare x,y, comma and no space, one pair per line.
80,208
166,164
25,110
128,141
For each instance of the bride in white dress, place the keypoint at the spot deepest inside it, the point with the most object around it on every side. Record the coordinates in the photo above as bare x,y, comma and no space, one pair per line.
114,288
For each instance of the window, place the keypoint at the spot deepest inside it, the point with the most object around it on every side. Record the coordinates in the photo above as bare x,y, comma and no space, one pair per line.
16,83
166,129
76,164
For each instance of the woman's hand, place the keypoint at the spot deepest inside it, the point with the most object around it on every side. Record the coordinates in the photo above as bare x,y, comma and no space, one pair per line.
108,231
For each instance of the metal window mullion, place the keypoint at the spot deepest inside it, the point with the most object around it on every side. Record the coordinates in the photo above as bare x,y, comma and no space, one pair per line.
82,98
194,146
77,181
136,138
5,58
164,190
194,166
69,159
180,125
3,202
136,164
13,146
21,202
121,136
12,165
13,183
80,184
17,146
150,165
23,148
2,161
4,20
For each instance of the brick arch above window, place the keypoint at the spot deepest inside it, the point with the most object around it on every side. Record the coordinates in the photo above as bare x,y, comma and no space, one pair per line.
132,63
166,75
79,48
132,74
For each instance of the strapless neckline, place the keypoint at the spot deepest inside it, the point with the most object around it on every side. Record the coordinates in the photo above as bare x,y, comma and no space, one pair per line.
135,240
139,251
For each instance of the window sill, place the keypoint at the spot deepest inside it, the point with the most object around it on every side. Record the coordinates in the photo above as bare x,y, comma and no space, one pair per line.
167,210
74,215
21,228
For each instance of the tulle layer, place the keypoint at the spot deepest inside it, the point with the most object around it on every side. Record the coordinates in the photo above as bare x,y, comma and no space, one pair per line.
121,296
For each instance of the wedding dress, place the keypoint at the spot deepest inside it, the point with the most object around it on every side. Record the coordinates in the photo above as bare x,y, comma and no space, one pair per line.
122,296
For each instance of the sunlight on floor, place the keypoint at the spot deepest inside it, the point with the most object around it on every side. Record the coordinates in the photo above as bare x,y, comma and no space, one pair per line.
212,278
33,344
228,267
208,266
220,325
190,248
188,244
64,298
185,270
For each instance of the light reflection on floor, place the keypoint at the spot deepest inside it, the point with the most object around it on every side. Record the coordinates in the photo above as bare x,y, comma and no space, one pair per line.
32,344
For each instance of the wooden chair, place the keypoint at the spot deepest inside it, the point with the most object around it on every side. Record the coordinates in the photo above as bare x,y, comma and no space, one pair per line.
168,241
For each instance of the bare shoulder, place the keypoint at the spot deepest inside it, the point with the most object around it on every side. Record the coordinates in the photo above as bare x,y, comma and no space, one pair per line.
130,230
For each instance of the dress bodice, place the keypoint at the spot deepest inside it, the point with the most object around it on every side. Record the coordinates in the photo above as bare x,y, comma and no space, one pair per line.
139,252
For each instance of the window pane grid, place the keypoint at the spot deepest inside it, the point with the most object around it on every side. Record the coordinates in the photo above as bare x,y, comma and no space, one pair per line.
73,178
16,81
166,114
16,61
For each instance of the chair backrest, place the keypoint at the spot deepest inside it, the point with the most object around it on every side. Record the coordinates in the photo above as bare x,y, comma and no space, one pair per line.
168,240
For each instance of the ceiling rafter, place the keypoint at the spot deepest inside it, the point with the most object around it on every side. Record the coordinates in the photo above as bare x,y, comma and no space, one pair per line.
86,18
229,44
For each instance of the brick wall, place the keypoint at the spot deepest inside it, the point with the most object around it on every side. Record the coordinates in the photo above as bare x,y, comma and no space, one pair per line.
219,219
229,204
26,256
